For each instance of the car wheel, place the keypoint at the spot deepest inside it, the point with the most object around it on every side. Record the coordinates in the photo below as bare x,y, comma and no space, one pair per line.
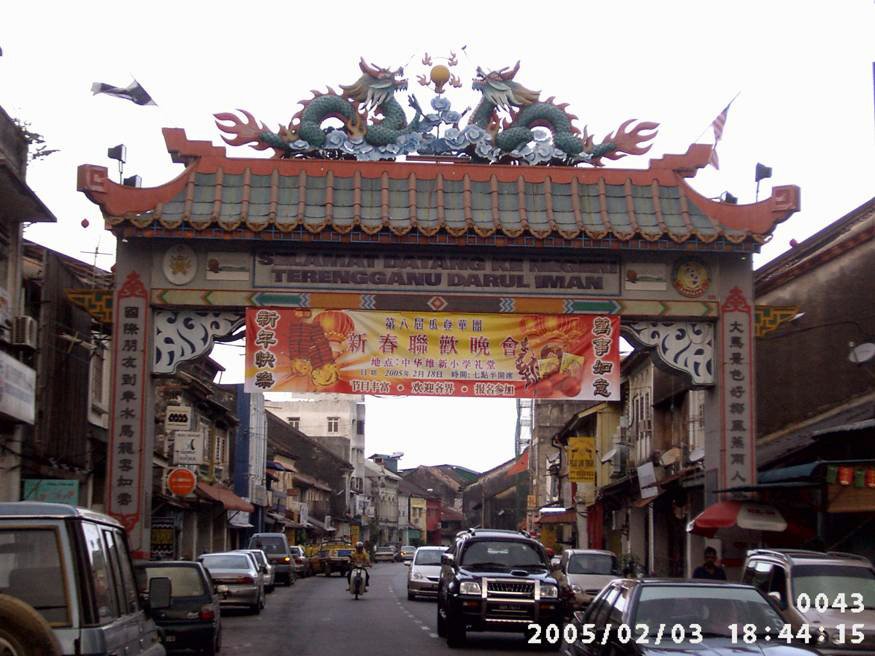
455,633
441,624
411,596
209,651
23,631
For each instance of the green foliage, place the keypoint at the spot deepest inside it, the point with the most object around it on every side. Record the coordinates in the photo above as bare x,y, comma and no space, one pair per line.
36,143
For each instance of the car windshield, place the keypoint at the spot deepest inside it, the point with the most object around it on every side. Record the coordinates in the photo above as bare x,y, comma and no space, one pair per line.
184,581
296,551
408,547
714,608
834,580
385,549
30,569
502,554
605,564
227,561
268,544
428,557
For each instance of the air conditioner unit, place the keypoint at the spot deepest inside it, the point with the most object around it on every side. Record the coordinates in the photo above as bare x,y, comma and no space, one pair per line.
24,331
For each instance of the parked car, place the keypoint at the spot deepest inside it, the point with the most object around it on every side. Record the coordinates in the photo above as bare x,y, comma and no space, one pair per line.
267,570
673,616
238,581
407,552
193,620
385,553
494,580
582,573
300,560
425,572
67,585
276,548
812,588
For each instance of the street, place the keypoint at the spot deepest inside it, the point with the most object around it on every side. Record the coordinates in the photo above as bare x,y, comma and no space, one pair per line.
318,617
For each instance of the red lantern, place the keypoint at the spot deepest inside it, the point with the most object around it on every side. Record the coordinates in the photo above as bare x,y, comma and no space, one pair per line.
870,477
846,475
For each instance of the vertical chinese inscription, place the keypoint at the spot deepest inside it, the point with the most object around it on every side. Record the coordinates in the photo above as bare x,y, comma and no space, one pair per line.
738,464
126,491
266,323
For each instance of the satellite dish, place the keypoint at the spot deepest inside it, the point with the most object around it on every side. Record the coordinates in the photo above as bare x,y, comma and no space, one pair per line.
861,352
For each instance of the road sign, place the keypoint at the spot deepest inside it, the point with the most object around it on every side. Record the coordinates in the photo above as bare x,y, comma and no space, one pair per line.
181,482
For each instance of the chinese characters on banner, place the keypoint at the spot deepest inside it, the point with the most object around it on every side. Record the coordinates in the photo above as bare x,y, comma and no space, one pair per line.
125,471
738,466
434,354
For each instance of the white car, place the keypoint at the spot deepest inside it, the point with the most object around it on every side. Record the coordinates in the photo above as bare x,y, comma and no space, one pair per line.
425,572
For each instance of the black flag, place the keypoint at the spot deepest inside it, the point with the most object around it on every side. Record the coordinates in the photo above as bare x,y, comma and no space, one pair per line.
133,92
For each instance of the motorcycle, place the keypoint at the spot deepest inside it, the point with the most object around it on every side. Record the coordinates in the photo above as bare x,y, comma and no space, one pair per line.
357,585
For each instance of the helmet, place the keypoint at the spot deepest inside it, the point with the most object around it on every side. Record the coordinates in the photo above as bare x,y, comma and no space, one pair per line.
359,546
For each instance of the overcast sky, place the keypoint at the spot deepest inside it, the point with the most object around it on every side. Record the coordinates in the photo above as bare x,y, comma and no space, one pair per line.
803,72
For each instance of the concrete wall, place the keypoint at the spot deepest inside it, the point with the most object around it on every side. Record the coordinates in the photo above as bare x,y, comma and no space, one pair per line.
803,367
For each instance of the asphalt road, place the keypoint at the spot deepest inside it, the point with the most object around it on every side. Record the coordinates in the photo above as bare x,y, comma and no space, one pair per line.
318,617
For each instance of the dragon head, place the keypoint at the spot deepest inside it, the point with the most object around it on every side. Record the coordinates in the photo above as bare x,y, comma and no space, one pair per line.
375,86
499,88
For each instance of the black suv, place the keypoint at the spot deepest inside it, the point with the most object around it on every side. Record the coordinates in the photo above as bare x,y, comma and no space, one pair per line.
494,580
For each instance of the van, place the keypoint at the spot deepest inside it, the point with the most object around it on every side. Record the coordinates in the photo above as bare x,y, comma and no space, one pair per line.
276,548
67,585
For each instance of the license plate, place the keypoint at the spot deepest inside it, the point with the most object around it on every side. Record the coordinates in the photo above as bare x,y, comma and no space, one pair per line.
170,638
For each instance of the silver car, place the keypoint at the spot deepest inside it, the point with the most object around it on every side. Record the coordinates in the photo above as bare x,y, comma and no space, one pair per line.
582,573
831,594
237,579
67,585
267,570
425,572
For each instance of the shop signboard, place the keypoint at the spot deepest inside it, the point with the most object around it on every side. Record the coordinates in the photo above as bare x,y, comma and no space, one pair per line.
51,490
17,389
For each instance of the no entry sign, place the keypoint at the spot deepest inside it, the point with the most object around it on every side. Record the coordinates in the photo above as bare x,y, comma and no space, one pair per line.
181,482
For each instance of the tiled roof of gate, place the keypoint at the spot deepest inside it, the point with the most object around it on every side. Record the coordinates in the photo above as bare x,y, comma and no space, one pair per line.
235,194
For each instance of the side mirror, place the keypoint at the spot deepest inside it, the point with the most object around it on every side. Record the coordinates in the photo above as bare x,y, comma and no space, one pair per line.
159,593
447,559
775,598
264,569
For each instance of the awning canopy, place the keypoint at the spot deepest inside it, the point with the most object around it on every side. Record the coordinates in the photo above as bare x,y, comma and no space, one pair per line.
239,519
563,516
743,515
224,496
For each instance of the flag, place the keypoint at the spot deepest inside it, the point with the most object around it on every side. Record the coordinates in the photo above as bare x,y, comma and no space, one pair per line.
717,125
133,92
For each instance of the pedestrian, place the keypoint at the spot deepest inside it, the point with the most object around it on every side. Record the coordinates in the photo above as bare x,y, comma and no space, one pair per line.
710,569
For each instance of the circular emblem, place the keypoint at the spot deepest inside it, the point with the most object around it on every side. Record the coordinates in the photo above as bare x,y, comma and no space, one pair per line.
181,481
690,276
180,264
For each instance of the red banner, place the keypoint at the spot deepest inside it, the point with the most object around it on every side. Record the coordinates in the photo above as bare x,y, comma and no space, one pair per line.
434,354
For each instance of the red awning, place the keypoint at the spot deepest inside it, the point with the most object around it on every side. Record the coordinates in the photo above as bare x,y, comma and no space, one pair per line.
743,515
224,496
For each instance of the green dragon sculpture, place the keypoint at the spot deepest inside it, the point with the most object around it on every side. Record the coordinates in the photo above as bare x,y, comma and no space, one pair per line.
372,92
500,91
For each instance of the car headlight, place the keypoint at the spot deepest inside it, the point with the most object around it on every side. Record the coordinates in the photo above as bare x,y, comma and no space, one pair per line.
417,576
549,592
576,589
469,588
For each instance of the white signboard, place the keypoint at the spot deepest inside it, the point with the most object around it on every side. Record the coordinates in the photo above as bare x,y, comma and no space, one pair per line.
177,417
17,389
647,480
188,447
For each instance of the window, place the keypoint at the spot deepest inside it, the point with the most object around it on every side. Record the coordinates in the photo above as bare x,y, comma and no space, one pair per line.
126,590
97,362
107,606
334,424
295,422
360,427
30,569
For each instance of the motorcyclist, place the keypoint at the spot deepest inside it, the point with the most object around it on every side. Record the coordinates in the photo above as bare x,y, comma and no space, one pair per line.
359,558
